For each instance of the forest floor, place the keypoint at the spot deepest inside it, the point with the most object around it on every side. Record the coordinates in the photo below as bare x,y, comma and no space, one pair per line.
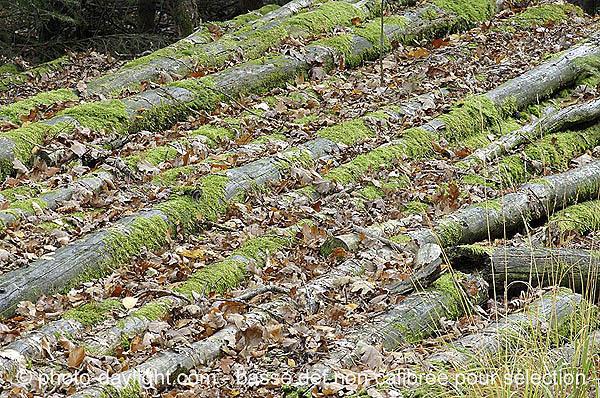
431,75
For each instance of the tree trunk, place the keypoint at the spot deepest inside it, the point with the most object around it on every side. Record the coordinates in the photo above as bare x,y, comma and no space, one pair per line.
507,266
553,311
552,121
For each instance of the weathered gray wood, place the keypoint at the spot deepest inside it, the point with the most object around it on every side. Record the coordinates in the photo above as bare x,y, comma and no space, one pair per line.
552,311
506,266
533,201
16,353
94,252
552,121
416,317
52,200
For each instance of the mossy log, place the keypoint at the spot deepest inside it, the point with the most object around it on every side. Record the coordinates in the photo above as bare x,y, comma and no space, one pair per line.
532,202
160,107
96,253
506,266
51,200
415,318
219,276
204,352
552,121
16,354
547,315
471,116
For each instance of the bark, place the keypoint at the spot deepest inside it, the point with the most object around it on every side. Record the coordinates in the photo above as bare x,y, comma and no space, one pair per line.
416,317
507,266
18,352
532,202
552,121
553,310
96,251
351,241
91,183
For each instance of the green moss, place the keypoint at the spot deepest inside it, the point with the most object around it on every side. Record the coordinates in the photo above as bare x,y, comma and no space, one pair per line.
478,249
590,75
150,232
415,142
306,119
209,201
296,157
447,285
343,45
402,238
545,13
408,335
13,111
469,10
131,390
27,205
10,193
492,204
9,68
256,248
92,313
171,176
218,277
326,16
449,233
416,208
100,116
470,117
349,132
151,311
154,156
371,192
583,217
214,134
26,138
554,151
429,14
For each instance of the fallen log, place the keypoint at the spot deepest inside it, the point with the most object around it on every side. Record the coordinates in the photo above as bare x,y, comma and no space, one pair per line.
532,202
204,352
581,218
216,277
547,314
98,252
519,268
161,107
551,121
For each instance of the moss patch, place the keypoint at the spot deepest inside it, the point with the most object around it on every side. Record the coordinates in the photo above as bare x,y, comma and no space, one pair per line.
326,16
214,134
154,156
583,217
469,10
545,13
100,116
92,313
13,111
349,132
